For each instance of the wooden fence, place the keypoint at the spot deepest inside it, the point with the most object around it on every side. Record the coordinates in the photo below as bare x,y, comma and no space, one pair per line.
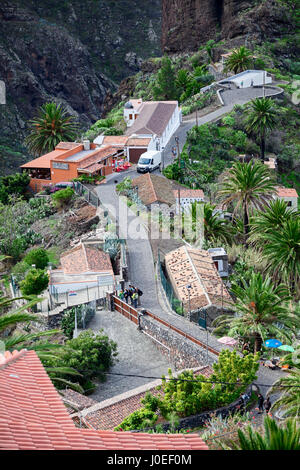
133,315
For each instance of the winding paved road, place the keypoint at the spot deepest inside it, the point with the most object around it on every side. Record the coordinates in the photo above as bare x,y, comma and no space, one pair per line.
141,264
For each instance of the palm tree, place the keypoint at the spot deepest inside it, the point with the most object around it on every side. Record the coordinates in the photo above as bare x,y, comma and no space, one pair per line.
275,437
281,250
239,60
215,228
44,350
261,312
250,186
51,126
288,386
261,117
269,220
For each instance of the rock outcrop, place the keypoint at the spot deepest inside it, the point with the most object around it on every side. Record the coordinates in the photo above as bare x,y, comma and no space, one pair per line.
187,24
71,52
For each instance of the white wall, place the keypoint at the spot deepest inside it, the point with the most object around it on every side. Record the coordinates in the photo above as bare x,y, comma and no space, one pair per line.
292,200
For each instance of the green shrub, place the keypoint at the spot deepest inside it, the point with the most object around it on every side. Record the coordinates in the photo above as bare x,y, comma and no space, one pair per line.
63,197
35,282
139,419
38,257
13,185
113,131
190,394
20,269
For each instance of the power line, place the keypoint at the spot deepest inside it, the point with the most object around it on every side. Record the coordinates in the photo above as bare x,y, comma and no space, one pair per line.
197,381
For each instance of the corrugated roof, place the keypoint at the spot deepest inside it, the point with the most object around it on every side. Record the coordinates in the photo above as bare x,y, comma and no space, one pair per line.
33,416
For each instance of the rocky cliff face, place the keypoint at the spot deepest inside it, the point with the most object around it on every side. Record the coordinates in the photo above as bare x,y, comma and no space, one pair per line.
189,23
71,52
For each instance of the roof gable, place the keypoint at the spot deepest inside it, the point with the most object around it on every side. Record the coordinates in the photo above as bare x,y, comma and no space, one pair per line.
154,188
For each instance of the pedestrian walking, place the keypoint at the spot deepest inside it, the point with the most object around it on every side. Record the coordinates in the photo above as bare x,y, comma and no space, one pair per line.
139,293
267,404
131,290
126,295
135,299
260,403
121,295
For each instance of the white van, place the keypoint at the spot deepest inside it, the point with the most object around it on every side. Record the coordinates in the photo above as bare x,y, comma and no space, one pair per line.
149,161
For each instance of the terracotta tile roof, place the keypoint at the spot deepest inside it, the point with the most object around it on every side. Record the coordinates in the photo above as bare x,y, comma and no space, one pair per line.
189,193
153,118
133,142
286,192
136,103
154,188
85,258
68,145
33,416
187,266
44,160
115,140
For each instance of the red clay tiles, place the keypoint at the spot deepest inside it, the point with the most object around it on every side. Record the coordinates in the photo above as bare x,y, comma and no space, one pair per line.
33,416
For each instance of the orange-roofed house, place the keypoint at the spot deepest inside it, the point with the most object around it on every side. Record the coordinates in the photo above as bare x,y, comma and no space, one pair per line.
289,195
84,266
34,417
68,161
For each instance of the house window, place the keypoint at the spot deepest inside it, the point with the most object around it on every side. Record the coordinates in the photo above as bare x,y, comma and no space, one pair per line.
130,117
289,204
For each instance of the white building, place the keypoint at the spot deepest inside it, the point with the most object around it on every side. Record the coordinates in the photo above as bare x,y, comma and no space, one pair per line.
187,197
82,267
249,78
154,120
289,195
220,258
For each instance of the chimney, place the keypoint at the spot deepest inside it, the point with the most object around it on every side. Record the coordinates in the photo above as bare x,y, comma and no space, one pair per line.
86,145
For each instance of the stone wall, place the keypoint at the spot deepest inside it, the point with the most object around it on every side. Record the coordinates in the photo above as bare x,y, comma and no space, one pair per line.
180,351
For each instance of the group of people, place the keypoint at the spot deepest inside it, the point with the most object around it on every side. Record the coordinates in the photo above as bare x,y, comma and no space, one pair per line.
264,404
133,293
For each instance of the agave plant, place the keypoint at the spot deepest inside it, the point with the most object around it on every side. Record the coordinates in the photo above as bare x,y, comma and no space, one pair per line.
275,437
51,126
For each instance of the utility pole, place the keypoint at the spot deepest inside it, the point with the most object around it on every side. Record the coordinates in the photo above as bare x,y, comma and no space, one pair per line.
179,165
189,287
163,157
264,81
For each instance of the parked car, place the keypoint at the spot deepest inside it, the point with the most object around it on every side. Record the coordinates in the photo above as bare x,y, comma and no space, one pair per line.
149,161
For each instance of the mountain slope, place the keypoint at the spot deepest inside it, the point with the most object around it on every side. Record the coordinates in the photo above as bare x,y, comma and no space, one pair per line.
67,51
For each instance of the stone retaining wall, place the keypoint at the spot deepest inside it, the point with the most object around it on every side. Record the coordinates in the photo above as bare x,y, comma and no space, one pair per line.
180,351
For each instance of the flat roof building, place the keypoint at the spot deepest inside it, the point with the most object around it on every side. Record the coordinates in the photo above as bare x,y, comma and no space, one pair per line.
70,160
